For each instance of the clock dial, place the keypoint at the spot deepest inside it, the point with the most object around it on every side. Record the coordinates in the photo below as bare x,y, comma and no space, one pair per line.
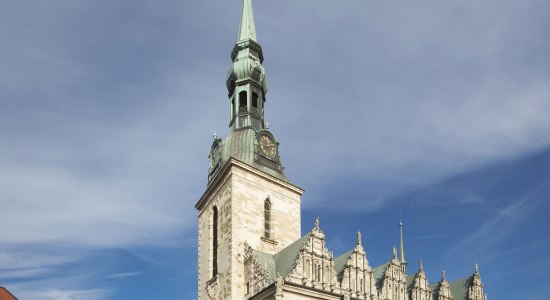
268,146
214,157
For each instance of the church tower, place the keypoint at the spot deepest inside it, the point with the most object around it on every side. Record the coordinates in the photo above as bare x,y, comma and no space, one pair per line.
248,201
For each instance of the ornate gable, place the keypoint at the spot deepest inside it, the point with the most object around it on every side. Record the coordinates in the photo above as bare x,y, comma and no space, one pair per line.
394,283
420,289
443,290
356,276
476,289
314,264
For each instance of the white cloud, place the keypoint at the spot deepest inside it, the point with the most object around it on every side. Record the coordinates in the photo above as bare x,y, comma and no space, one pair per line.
123,275
106,121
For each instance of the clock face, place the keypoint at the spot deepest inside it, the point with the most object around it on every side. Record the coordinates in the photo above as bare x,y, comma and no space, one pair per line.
214,157
268,146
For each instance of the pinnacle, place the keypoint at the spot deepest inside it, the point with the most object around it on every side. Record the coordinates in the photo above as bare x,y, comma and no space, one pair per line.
248,28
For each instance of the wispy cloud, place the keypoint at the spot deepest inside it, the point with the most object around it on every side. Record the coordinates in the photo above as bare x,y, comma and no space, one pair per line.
428,236
123,275
52,294
504,222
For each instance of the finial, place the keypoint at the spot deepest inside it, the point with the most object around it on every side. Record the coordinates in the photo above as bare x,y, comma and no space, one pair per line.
247,29
215,136
401,243
358,237
316,226
476,268
443,275
420,267
394,252
266,125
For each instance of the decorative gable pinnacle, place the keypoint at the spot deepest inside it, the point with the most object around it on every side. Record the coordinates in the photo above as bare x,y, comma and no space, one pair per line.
316,225
358,238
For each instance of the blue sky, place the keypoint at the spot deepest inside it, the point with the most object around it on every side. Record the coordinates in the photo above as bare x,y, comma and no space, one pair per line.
436,109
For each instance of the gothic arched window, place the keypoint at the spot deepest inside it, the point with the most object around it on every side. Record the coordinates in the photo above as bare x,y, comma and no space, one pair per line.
214,241
267,219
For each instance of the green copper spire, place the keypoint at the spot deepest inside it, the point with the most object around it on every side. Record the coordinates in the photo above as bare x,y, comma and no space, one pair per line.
247,29
402,246
246,82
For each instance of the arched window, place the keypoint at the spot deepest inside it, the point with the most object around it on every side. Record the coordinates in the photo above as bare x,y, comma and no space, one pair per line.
242,101
267,219
214,241
254,101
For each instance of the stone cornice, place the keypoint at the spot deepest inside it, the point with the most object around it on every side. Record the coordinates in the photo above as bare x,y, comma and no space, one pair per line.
232,162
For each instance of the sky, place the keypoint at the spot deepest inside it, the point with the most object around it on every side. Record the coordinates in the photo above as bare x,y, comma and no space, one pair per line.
434,110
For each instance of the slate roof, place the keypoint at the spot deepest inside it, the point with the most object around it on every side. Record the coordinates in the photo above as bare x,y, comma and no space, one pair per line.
285,259
410,281
460,288
378,274
282,262
268,261
340,263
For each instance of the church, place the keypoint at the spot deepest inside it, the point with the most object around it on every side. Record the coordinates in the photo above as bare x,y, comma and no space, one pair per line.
250,240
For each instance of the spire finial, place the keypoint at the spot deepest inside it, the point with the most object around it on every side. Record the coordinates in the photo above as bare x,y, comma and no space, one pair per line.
394,252
402,245
248,28
358,237
215,136
420,267
476,269
443,275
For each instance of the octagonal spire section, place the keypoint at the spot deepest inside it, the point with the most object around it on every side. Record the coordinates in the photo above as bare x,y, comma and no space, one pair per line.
246,80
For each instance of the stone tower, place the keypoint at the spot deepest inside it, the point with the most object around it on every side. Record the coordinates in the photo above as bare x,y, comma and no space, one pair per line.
248,201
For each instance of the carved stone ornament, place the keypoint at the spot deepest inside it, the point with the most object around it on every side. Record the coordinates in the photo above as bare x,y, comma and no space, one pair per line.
297,270
212,288
259,276
248,251
279,282
347,296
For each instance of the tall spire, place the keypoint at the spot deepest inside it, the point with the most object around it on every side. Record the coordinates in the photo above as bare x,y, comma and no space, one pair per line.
402,246
246,82
248,28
